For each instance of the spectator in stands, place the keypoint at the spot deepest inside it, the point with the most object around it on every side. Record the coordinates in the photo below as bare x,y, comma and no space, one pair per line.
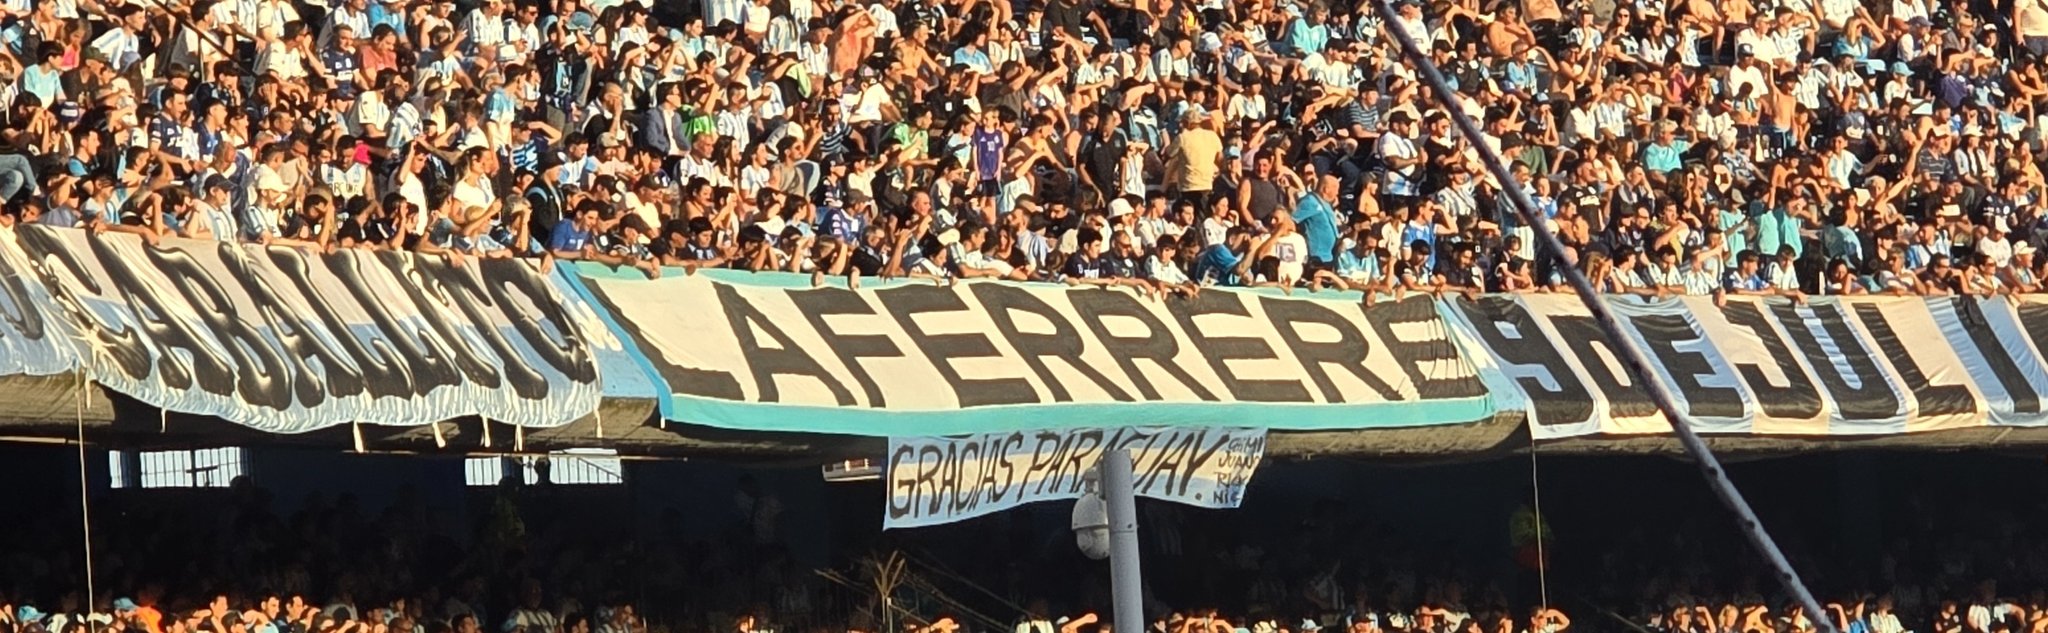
1821,127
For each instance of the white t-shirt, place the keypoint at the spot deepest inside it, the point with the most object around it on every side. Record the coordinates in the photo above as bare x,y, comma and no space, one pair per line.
1168,273
415,193
885,20
978,261
371,113
1403,181
2033,18
757,19
1292,251
1906,10
1999,250
476,194
285,61
1751,76
1419,30
867,107
1214,231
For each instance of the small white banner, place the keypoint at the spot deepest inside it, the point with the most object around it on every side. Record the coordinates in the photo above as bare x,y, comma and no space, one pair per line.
934,480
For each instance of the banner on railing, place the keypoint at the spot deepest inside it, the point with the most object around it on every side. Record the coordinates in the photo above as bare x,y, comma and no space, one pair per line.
773,353
1770,366
30,343
289,340
934,480
285,340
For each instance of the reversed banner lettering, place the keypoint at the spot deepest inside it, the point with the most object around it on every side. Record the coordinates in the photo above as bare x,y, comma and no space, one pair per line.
288,341
934,480
1824,366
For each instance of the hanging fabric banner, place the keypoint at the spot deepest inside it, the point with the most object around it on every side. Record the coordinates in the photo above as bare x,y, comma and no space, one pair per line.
770,352
1769,366
934,480
287,340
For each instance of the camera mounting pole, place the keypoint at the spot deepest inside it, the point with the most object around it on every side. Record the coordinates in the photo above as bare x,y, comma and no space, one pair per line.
1127,586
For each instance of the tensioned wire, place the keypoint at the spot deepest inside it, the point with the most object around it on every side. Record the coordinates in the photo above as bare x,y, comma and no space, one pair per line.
1630,356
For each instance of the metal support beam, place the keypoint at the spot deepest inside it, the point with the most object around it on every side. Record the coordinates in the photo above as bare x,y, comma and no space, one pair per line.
1630,356
1127,584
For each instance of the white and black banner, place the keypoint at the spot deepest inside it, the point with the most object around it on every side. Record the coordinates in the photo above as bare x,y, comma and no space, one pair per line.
1826,366
31,344
896,359
771,352
285,340
934,480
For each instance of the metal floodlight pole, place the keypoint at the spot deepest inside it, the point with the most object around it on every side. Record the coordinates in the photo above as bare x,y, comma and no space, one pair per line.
1127,587
1629,354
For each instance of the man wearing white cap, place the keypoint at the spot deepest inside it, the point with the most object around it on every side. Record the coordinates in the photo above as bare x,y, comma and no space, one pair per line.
2019,273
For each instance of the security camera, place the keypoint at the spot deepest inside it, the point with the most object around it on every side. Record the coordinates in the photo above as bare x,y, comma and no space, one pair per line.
1091,517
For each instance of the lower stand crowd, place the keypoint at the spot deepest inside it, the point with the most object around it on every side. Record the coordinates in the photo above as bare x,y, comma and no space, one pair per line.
295,613
541,563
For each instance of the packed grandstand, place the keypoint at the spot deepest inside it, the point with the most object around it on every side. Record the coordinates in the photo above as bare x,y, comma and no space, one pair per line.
1678,148
1701,148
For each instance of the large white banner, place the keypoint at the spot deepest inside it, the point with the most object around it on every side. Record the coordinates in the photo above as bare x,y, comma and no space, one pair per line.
934,480
30,342
288,341
1824,366
773,353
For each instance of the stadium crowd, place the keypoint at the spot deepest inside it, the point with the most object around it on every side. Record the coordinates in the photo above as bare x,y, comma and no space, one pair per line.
1677,146
536,561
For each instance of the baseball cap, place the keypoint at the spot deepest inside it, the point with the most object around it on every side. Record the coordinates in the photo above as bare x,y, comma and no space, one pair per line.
126,604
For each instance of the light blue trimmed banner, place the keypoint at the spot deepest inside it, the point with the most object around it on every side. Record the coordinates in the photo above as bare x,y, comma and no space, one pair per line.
679,330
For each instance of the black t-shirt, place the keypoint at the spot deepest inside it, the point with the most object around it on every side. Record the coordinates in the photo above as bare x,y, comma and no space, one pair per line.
892,189
1509,263
1466,276
919,12
1066,15
945,104
1121,267
1442,154
1997,205
1408,268
1948,622
1471,74
689,251
546,205
378,230
1081,266
1933,204
1104,156
868,260
297,223
1630,237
